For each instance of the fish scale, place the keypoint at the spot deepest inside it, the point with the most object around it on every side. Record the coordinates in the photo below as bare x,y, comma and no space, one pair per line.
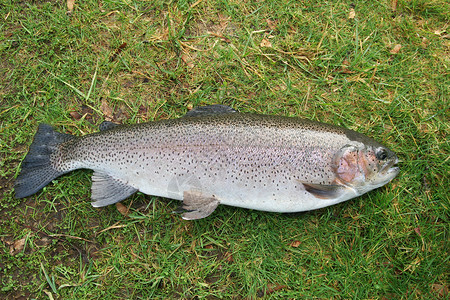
215,155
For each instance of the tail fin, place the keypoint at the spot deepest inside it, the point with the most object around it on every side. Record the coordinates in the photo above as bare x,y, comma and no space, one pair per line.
37,170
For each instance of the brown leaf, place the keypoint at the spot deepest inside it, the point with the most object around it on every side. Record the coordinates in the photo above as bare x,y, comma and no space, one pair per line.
120,115
417,230
44,241
107,111
187,60
117,52
75,115
274,287
87,112
70,5
122,209
229,257
352,13
266,43
272,24
394,5
440,290
143,109
17,246
344,69
295,244
396,49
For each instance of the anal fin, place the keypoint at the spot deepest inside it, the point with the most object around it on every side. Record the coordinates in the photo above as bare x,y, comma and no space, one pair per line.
197,205
107,190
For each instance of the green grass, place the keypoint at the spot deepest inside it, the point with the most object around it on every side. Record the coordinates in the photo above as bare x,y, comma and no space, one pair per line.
392,243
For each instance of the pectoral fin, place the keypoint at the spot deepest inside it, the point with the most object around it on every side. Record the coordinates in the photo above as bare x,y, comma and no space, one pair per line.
107,190
197,205
323,191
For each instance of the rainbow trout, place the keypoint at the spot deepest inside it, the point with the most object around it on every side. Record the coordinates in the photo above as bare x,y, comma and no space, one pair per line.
215,155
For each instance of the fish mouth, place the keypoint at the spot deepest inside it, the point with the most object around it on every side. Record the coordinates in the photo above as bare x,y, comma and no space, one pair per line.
391,169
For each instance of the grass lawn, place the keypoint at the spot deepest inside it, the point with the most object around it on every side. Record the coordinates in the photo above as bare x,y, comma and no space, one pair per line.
378,67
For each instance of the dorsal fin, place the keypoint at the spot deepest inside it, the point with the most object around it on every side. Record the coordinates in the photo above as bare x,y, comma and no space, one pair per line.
209,110
107,125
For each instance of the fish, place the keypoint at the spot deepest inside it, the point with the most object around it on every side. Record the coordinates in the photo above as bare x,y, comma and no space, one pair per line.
215,155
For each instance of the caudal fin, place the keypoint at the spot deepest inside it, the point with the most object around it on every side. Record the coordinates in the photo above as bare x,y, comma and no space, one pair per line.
37,170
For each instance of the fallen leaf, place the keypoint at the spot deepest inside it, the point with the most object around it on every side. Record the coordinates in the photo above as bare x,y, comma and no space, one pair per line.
143,110
344,69
389,296
44,241
122,209
417,230
394,5
128,84
107,111
117,52
295,244
87,112
352,13
229,257
17,246
447,36
440,289
75,115
272,24
265,43
120,114
396,49
187,60
274,287
70,5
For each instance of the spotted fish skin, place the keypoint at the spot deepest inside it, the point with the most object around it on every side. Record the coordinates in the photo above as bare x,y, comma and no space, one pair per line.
215,155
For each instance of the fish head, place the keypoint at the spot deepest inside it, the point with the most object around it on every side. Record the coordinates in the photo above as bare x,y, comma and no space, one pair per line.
365,167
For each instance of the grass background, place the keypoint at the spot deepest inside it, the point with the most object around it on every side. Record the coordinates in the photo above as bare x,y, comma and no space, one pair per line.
134,61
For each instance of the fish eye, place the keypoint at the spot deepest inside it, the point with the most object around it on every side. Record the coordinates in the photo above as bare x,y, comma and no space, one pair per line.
381,154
